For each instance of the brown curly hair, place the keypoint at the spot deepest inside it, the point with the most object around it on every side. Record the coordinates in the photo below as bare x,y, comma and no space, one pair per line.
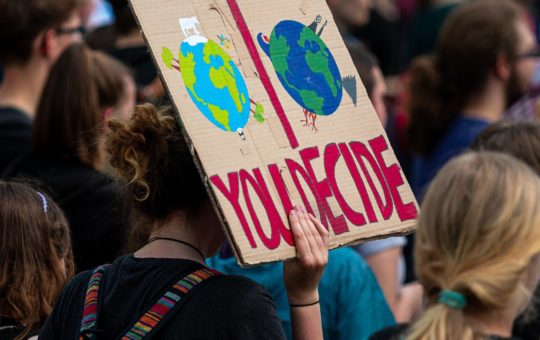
151,156
34,239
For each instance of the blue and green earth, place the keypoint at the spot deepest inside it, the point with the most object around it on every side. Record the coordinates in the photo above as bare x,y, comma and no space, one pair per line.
214,83
305,67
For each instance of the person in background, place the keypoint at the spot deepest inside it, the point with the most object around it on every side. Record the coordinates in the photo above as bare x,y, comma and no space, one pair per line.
371,76
426,25
33,34
175,230
352,304
484,62
349,14
477,249
384,256
85,89
124,41
522,141
35,259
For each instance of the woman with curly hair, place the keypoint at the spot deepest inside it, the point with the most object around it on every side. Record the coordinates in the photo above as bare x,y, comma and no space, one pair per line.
164,290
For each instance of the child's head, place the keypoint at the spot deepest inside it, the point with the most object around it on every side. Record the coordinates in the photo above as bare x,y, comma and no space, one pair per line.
35,254
83,90
518,139
478,236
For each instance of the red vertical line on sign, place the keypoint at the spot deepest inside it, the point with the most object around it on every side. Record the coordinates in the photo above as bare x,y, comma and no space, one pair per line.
263,75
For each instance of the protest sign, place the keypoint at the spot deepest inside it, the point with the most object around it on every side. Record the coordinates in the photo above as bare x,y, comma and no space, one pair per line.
276,114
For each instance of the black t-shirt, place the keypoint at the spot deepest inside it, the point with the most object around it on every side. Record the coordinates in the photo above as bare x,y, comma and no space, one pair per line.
15,131
227,307
92,202
9,330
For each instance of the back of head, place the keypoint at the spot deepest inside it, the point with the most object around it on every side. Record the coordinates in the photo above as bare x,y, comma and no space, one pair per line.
22,22
477,236
152,158
70,118
125,20
471,40
518,139
34,250
364,61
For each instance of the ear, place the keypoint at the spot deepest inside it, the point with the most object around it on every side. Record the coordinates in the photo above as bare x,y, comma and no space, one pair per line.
107,115
502,67
47,42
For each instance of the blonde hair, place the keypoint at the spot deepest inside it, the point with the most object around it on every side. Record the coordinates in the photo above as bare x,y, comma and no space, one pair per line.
477,235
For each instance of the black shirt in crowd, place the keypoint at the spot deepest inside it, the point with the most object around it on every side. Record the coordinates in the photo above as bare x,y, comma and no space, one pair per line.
9,330
227,307
15,131
92,201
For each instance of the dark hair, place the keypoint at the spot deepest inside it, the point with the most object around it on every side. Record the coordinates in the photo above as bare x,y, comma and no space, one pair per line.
151,156
470,42
34,239
518,139
69,118
125,20
21,22
364,61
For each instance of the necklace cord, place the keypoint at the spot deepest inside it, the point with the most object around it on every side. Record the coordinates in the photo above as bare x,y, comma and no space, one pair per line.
178,241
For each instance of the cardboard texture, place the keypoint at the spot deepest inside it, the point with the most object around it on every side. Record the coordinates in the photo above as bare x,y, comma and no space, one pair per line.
277,114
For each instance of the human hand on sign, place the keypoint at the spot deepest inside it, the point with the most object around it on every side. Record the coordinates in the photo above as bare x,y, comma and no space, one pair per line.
302,274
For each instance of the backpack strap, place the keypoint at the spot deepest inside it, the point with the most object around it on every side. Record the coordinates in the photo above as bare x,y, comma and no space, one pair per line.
91,302
150,320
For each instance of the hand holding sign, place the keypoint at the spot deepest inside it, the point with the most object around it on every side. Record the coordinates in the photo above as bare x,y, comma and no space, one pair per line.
302,274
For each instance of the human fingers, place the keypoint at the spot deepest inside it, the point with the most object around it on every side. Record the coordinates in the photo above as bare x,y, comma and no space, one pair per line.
323,232
317,253
300,239
320,235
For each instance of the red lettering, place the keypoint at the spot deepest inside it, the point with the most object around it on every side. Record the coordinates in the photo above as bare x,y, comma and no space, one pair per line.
259,186
331,157
338,223
232,196
394,179
284,197
295,168
351,165
361,151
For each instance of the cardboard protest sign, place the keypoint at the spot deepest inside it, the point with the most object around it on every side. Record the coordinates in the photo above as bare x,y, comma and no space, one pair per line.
277,115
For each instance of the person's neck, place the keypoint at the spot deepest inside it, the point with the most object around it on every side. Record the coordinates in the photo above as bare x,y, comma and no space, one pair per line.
489,106
497,323
176,227
132,39
22,85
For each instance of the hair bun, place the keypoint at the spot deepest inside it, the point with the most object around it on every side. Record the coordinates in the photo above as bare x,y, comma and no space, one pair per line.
138,146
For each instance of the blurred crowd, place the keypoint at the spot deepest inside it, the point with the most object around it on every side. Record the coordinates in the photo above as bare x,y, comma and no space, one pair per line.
107,230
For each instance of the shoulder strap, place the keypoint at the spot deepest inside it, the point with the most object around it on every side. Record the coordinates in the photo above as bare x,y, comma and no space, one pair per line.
149,321
90,310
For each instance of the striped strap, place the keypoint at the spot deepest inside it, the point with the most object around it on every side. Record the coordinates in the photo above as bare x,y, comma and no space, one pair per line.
166,303
89,317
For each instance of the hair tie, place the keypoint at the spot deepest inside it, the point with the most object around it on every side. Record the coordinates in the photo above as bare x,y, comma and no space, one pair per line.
43,201
452,299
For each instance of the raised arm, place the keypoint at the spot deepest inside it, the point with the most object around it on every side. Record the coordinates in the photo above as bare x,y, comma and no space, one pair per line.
302,274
